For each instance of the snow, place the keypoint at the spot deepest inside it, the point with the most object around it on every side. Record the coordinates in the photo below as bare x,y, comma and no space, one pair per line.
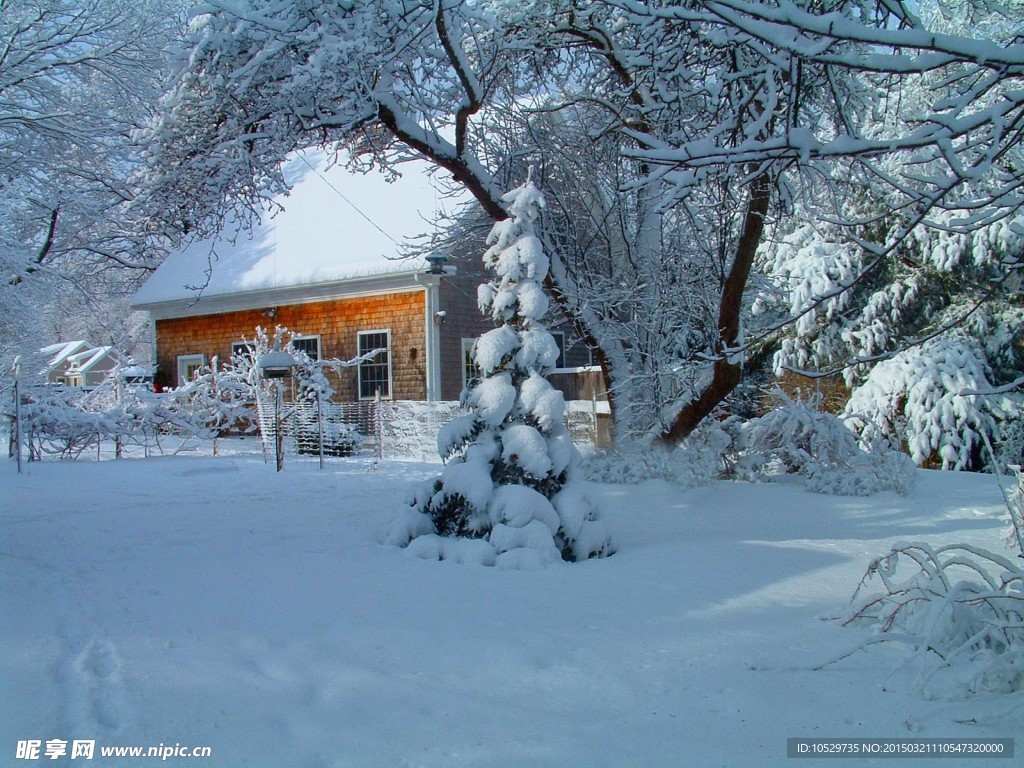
528,547
319,236
213,601
493,350
526,447
493,398
519,506
542,401
470,479
58,353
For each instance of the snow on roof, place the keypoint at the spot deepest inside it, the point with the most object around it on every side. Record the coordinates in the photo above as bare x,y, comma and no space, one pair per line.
321,236
61,351
83,361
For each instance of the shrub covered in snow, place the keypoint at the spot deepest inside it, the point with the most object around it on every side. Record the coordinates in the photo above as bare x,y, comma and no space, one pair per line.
66,421
699,460
507,482
958,606
1015,507
53,421
798,438
324,431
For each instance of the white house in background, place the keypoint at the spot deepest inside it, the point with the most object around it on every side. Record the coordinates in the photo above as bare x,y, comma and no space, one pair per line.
91,367
79,363
57,359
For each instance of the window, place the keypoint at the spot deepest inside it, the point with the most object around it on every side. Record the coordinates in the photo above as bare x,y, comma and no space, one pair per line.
308,344
375,374
469,367
560,341
188,365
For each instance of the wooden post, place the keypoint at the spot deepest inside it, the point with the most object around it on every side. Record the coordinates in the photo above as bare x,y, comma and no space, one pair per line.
378,429
320,427
215,397
278,432
118,438
17,412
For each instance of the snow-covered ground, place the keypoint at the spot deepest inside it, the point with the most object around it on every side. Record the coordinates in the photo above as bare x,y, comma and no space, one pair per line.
213,602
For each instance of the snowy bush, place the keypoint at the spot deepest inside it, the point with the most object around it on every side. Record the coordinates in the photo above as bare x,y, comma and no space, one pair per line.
699,460
65,421
508,478
1015,507
959,608
217,399
798,438
861,314
1010,451
54,423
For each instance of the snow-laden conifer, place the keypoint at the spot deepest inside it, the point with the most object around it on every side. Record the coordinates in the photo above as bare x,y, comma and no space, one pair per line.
929,345
507,481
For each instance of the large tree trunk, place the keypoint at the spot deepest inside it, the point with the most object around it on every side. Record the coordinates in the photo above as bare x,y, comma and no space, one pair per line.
726,373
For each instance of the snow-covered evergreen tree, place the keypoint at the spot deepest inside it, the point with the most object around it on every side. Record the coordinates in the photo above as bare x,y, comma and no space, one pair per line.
930,342
508,481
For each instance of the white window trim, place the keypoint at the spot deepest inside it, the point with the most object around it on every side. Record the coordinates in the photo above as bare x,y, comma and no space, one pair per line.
387,356
184,361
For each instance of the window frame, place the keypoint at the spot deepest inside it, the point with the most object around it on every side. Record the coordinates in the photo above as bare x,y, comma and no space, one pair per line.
193,359
363,365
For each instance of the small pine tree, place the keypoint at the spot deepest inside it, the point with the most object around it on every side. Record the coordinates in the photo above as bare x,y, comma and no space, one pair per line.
510,460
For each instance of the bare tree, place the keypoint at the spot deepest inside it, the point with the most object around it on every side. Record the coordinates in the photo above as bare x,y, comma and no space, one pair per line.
77,77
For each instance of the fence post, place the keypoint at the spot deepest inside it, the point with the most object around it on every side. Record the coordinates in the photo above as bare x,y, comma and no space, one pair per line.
320,426
378,428
278,426
118,438
215,397
17,411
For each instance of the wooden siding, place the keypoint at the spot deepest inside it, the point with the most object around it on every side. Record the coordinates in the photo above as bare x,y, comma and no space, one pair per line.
337,323
463,320
580,384
832,389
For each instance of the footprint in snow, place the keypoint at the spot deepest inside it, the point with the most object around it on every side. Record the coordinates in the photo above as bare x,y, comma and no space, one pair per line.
92,683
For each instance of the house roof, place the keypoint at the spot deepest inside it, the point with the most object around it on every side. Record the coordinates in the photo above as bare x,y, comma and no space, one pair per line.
83,362
321,237
56,354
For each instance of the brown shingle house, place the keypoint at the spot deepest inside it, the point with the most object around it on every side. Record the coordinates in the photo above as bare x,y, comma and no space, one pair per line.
321,268
324,267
